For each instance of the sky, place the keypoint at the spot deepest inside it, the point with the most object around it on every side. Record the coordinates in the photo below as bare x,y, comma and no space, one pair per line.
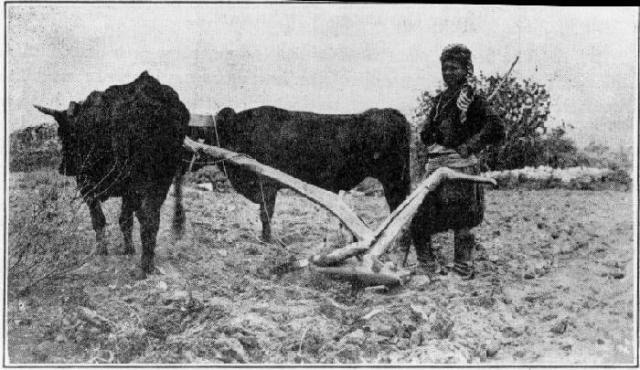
326,58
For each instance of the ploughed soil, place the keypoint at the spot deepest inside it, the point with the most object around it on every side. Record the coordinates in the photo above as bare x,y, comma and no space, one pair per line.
555,284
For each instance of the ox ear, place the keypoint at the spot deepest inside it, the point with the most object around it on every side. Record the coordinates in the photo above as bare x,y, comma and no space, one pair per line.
225,114
73,109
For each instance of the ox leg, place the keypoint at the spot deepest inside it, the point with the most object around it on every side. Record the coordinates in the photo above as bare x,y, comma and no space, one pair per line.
129,205
149,217
463,245
395,192
267,200
98,221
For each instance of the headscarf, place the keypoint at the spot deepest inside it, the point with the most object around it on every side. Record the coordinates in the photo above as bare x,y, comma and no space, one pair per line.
458,53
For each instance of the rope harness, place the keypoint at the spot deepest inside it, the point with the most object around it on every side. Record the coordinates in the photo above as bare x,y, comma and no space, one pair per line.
196,155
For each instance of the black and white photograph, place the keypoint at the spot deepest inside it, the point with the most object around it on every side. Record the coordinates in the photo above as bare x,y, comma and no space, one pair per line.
304,184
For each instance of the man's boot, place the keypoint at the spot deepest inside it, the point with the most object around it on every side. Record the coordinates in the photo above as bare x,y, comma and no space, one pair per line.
428,260
463,244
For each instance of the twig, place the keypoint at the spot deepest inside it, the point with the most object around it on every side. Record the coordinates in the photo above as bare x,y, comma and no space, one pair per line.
56,274
336,304
94,318
504,79
100,360
302,339
134,308
373,313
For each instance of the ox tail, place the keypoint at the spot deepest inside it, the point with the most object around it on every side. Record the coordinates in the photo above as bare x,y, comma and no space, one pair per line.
402,143
179,217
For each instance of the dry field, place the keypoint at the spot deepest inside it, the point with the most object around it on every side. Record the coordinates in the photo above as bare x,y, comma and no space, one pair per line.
555,285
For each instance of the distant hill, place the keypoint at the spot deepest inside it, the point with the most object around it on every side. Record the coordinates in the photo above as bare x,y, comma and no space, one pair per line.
34,148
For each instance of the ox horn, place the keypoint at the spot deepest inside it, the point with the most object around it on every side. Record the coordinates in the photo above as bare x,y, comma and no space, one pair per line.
49,111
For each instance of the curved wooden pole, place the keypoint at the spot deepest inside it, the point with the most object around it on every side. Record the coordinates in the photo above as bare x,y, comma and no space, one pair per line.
324,198
392,225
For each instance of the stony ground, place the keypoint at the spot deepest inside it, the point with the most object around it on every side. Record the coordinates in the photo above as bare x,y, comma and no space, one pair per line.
555,285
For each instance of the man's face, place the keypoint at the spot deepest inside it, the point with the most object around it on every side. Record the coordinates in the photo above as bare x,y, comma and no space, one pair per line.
453,73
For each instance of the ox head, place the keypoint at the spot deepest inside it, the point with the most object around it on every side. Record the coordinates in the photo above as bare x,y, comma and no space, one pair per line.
207,134
67,134
225,115
228,129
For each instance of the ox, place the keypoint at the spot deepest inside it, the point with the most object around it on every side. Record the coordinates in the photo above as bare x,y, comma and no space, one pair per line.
126,142
333,151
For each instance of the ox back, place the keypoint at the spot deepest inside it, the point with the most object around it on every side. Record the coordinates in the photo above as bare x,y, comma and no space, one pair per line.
333,151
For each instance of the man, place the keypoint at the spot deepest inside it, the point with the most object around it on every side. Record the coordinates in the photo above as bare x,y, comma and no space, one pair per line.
460,125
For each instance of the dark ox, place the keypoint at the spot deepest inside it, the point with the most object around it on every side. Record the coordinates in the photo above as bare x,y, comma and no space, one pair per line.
333,151
126,142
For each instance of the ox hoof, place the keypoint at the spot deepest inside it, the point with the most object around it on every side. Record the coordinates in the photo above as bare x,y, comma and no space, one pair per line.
139,274
146,264
101,250
127,250
266,238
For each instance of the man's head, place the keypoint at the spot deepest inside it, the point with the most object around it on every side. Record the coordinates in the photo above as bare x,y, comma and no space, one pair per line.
456,65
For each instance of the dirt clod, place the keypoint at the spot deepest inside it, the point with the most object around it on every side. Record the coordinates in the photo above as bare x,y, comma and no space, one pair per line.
229,350
349,354
560,327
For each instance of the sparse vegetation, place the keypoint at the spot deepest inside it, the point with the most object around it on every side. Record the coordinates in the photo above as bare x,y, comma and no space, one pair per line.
34,148
44,235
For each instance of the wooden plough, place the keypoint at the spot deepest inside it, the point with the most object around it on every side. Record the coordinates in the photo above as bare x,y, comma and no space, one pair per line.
368,270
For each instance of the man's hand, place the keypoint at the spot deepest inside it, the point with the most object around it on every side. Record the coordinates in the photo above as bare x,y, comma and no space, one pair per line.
463,101
463,150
